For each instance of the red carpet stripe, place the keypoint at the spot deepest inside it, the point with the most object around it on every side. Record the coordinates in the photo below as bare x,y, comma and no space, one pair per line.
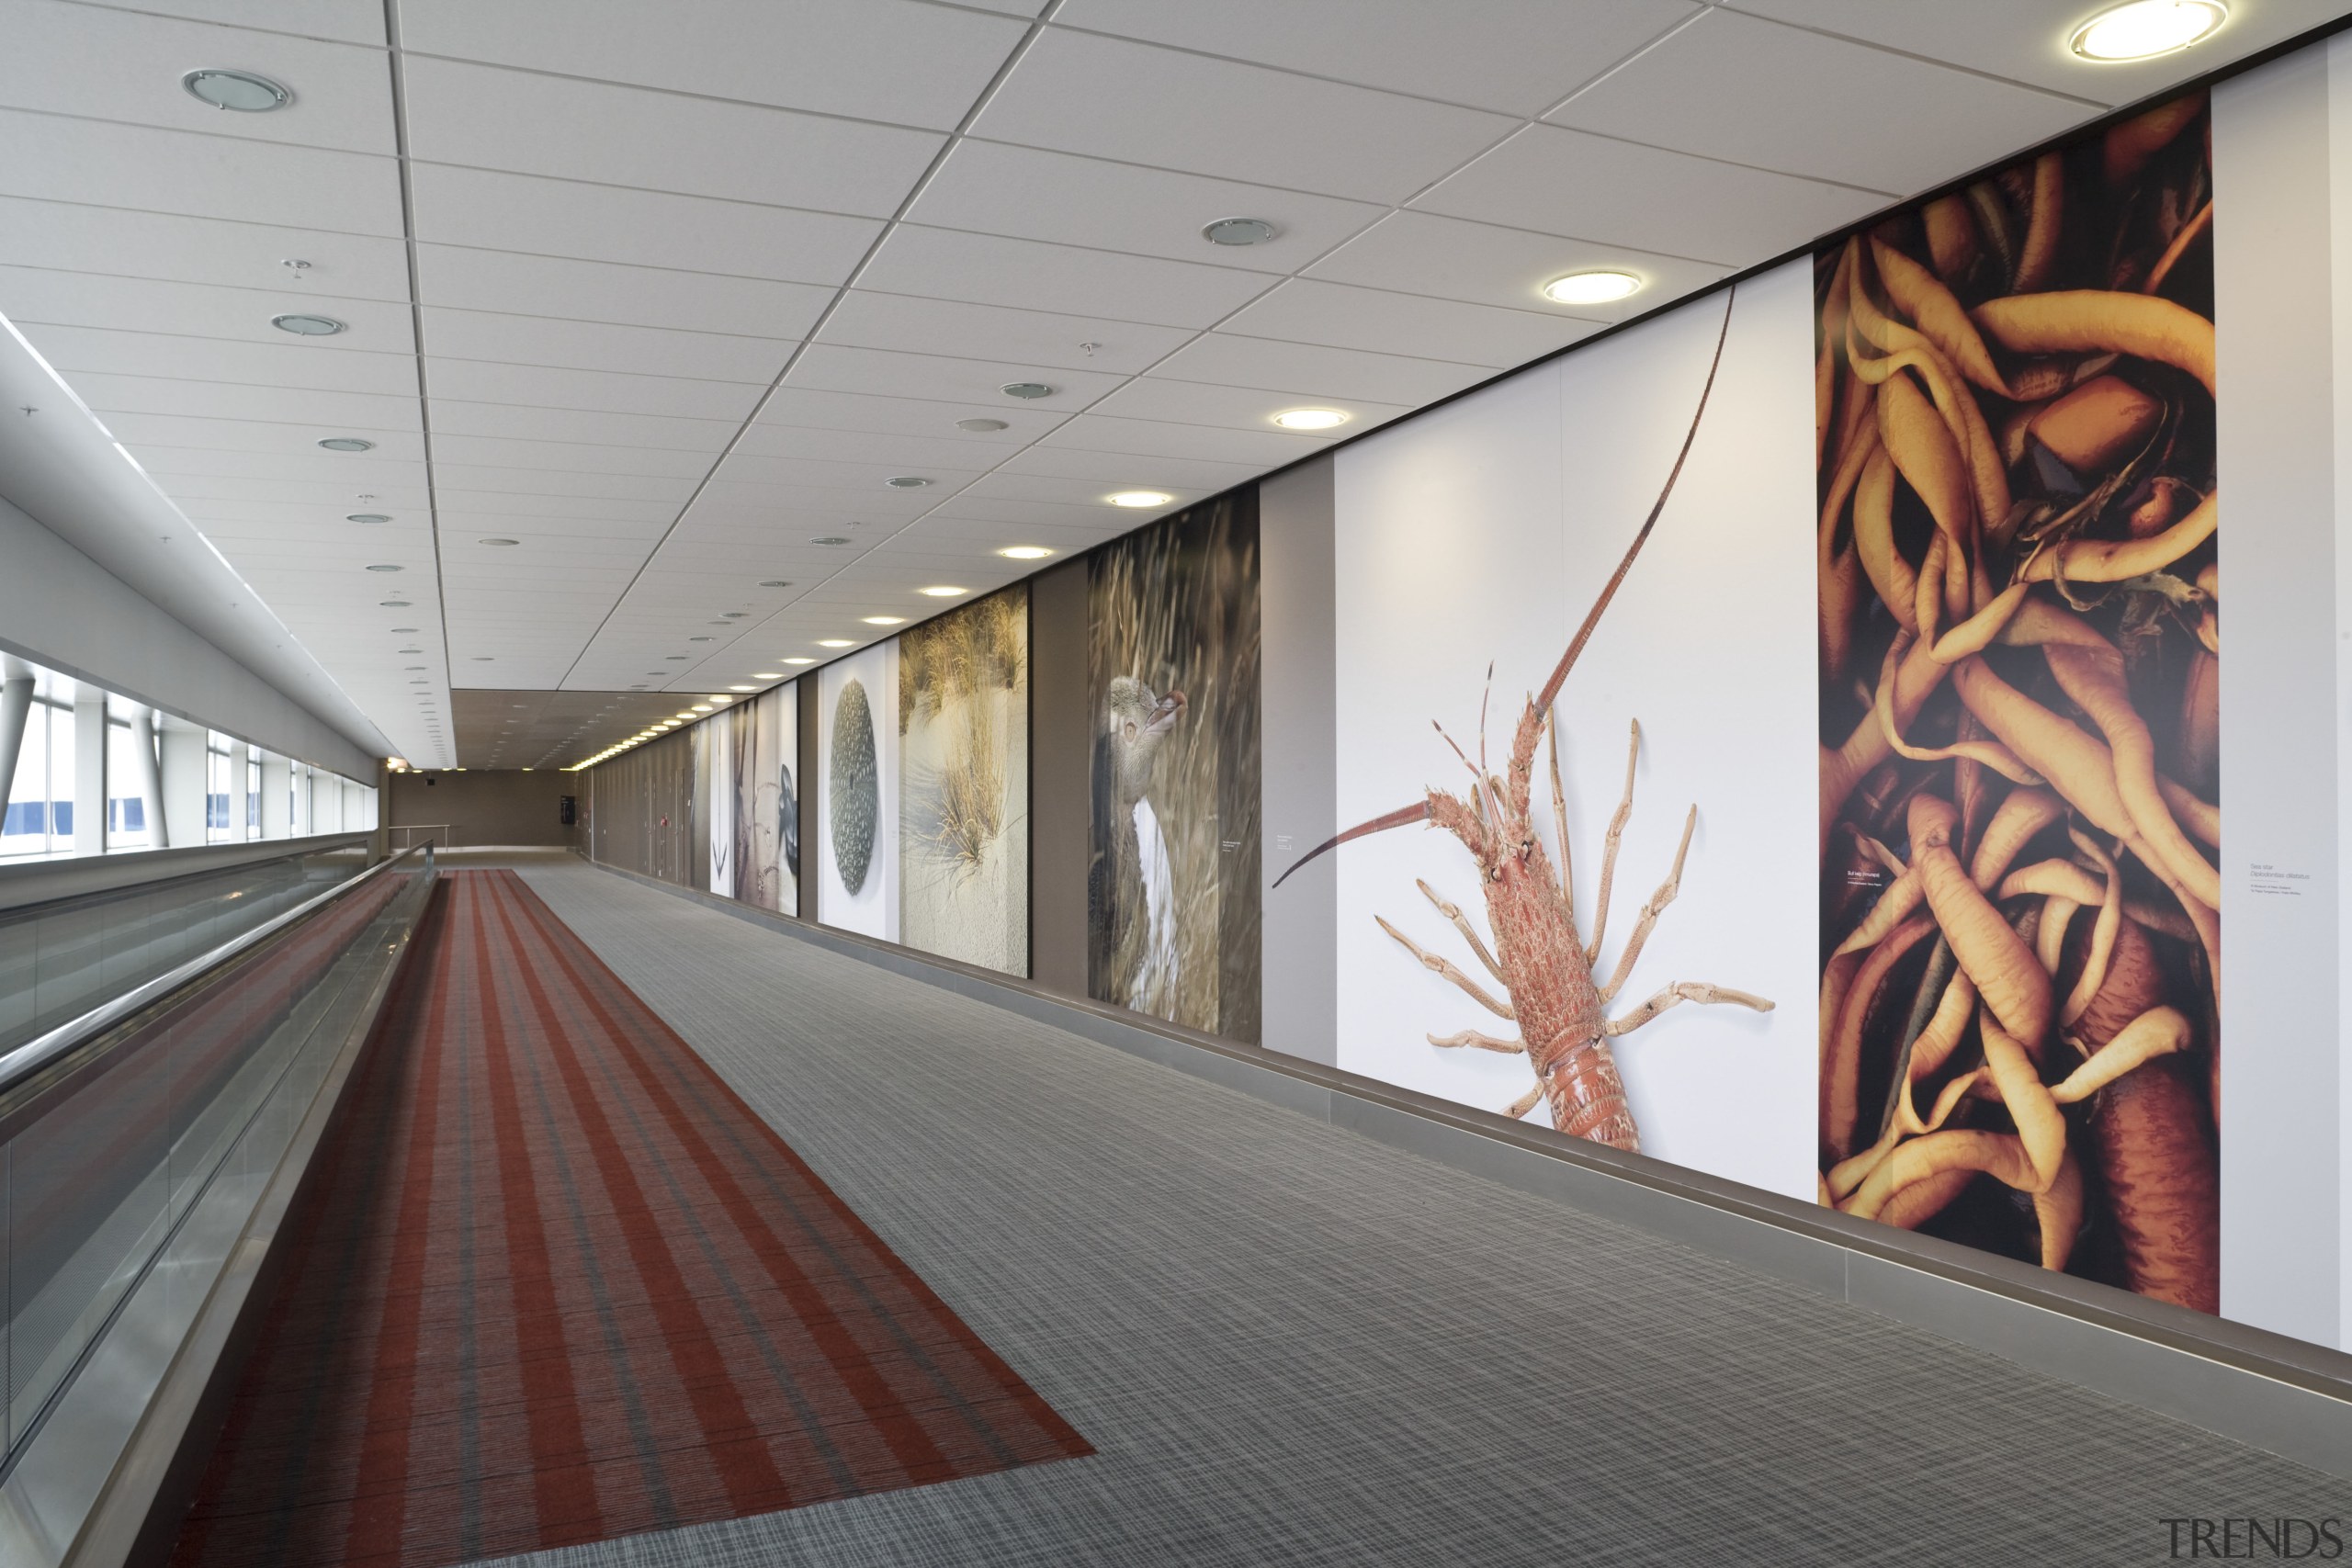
560,1284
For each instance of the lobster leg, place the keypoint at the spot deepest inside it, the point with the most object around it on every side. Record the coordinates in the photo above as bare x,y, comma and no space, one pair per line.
1609,851
1454,912
1682,991
1484,1042
1437,966
1524,1104
1651,910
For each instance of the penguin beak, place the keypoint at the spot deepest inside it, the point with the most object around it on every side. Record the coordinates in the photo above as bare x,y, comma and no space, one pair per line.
1163,717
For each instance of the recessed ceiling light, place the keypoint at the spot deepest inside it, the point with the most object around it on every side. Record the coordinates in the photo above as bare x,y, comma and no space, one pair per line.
702,707
499,541
674,658
1139,498
347,443
386,567
1025,552
907,481
486,659
763,675
369,517
702,639
736,615
942,591
2147,28
395,603
1026,389
1310,419
980,426
243,91
778,583
884,620
302,325
404,631
829,539
1590,287
1239,232
834,642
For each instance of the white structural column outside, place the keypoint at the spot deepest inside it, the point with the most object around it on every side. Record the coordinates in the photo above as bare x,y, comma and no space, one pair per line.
89,771
240,792
276,797
16,682
150,780
184,784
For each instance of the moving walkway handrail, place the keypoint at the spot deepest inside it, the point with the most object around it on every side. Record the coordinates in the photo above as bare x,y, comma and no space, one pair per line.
37,1056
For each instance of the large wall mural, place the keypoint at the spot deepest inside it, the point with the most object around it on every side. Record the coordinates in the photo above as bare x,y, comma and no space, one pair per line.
857,791
761,759
963,719
1173,886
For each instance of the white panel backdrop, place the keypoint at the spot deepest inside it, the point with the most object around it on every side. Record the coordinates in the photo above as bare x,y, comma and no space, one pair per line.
874,908
1483,532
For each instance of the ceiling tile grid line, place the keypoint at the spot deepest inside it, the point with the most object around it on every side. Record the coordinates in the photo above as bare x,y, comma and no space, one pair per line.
679,359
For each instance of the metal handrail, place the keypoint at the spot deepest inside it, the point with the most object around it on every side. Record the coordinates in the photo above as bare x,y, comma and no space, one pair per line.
43,1051
449,828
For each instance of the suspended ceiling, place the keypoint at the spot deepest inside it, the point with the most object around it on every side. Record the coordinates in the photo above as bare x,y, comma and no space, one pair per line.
664,293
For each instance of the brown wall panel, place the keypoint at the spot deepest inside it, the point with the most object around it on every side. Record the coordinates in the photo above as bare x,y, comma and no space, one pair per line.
505,806
1060,777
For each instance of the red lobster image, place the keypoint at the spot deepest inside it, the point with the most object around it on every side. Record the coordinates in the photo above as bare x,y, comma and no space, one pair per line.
1546,969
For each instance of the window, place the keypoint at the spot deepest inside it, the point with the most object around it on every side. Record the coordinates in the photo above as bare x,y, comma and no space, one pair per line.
253,796
39,820
127,779
216,788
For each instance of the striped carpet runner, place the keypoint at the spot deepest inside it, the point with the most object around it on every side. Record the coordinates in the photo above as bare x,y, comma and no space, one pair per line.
562,1285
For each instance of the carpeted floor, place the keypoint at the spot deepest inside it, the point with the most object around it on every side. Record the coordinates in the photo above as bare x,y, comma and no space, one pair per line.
1292,1345
562,1285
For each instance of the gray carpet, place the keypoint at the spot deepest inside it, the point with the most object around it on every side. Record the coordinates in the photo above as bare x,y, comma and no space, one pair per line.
1293,1345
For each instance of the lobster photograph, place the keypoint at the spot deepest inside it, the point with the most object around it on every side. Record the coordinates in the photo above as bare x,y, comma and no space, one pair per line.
2019,672
1553,985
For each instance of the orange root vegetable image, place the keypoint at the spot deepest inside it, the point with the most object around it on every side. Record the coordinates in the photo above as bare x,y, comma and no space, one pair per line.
2018,540
1551,984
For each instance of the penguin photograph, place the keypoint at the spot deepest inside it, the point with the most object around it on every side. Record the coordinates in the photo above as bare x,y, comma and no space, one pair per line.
1172,897
765,731
964,783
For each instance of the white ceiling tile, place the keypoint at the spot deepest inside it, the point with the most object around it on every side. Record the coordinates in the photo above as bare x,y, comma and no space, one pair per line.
828,367
586,427
567,457
539,386
456,499
255,519
350,21
1045,522
1108,97
76,238
1304,310
864,319
804,408
331,498
750,469
109,164
1419,253
1234,408
450,478
992,269
825,508
1314,370
289,363
564,286
1754,92
1108,471
991,188
882,60
527,122
193,309
1156,439
342,95
170,465
1141,472
485,517
221,399
901,454
2027,40
1621,192
637,228
602,345
392,447
1517,56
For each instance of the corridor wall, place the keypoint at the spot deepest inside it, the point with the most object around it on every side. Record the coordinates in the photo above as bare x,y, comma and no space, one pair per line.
1788,736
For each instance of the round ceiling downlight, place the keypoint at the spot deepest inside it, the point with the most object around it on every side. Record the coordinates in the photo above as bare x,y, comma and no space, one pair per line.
829,539
369,517
884,620
1239,232
1026,389
2145,29
1025,552
499,543
387,567
347,443
303,324
942,591
1598,287
800,660
835,642
1140,498
1311,419
907,481
243,91
980,426
777,582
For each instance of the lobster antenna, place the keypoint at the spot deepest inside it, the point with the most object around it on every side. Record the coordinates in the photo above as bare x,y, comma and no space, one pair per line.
1402,817
1608,589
